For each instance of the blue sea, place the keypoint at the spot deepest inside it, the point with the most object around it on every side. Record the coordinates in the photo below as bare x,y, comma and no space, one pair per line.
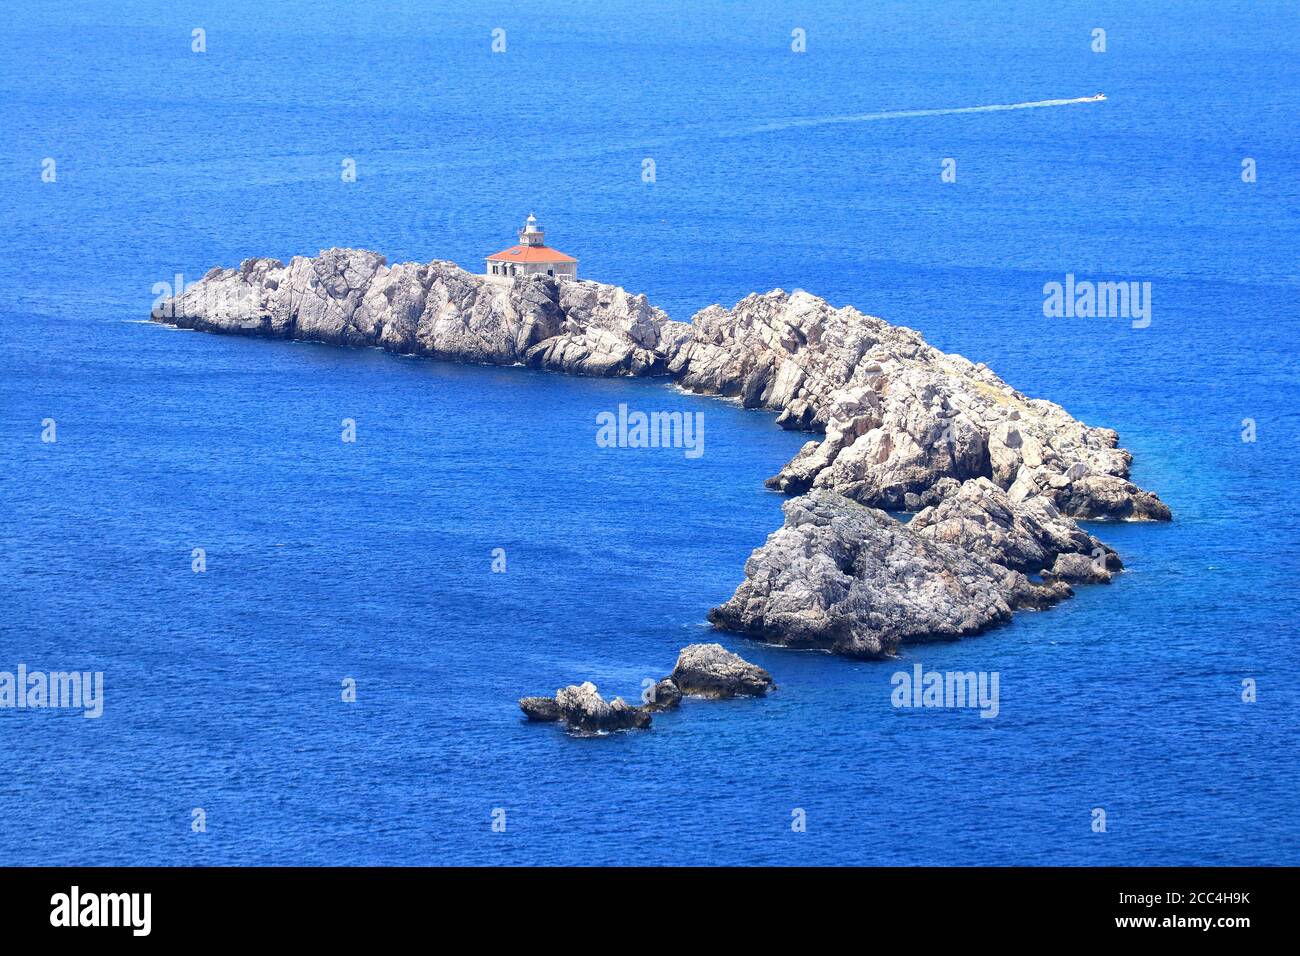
370,563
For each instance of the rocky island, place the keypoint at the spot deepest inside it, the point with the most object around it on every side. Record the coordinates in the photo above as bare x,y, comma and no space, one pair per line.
996,480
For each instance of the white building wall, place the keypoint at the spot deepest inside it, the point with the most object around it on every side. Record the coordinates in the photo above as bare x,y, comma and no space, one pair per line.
569,269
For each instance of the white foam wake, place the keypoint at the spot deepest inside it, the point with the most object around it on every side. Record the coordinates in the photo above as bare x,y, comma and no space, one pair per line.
906,114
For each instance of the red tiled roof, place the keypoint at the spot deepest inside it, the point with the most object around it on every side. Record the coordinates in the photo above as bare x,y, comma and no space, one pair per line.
531,254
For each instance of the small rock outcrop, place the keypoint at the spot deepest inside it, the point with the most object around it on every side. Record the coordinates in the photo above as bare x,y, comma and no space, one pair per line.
1079,568
583,709
703,670
710,670
665,695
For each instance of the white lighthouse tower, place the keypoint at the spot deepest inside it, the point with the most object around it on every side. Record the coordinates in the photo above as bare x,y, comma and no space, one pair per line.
532,234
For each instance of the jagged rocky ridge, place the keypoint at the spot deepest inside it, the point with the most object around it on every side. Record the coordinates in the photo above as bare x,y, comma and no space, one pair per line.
852,579
702,670
351,297
997,477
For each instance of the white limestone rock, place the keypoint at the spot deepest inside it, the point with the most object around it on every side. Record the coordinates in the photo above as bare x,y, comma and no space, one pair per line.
981,520
899,416
353,297
710,670
852,580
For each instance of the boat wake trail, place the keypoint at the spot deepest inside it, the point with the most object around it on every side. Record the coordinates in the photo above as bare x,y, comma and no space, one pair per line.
907,114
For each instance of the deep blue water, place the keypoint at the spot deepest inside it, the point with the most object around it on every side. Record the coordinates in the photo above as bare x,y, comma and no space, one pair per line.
371,560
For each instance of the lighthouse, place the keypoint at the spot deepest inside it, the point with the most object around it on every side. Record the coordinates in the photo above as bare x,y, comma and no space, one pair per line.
532,256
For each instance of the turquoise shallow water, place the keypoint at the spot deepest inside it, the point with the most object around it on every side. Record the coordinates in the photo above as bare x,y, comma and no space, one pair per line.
372,560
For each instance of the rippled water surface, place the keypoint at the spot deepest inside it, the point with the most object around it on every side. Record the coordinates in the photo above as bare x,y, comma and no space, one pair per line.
371,561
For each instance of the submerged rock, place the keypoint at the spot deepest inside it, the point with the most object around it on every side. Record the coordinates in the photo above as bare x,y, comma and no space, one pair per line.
710,670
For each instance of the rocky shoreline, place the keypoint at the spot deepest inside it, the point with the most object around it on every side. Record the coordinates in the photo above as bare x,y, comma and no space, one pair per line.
996,479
